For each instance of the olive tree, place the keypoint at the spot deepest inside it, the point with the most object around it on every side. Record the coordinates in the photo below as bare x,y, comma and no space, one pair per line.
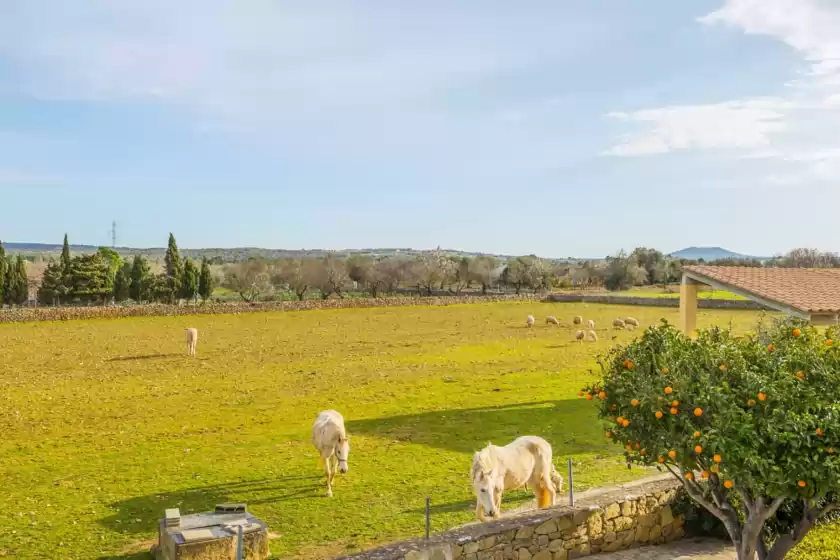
748,425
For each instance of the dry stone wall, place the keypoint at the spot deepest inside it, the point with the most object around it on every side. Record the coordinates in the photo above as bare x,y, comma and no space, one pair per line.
605,521
654,301
27,314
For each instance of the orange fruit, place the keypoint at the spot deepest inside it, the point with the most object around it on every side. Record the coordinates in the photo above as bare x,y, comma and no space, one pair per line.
689,476
635,402
802,484
704,474
602,395
580,394
629,364
698,412
819,432
668,390
659,415
800,374
698,449
661,459
675,411
771,348
666,370
620,420
717,458
728,484
628,447
626,423
750,402
828,342
797,332
672,454
675,403
589,397
638,446
696,435
722,367
762,397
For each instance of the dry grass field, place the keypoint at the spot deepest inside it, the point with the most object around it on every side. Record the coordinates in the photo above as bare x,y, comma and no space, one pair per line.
106,423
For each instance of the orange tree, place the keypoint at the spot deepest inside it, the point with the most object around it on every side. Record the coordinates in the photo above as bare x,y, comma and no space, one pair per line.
747,424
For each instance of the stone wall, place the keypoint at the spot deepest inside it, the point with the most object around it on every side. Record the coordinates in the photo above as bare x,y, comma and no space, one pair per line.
654,301
27,314
607,520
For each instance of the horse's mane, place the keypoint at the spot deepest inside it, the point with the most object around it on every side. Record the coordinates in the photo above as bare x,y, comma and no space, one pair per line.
485,460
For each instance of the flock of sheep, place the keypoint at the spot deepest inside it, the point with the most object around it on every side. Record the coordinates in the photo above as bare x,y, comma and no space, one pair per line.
626,323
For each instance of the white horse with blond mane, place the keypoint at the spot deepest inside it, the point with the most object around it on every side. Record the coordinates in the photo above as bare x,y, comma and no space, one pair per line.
330,439
524,461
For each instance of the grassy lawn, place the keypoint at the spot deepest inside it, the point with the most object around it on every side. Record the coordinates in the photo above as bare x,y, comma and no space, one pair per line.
107,423
674,292
822,543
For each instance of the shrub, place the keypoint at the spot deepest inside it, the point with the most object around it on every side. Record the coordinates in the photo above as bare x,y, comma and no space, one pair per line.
748,425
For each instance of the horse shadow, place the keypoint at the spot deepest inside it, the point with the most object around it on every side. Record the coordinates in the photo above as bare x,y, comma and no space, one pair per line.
143,357
570,426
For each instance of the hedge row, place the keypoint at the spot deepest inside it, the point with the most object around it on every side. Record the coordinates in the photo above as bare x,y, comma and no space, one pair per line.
28,314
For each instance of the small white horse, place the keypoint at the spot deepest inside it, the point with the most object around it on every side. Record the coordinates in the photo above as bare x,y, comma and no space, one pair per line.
192,340
330,439
524,461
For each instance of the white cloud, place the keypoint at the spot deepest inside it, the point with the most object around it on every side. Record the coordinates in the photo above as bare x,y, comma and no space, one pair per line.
794,133
732,124
20,178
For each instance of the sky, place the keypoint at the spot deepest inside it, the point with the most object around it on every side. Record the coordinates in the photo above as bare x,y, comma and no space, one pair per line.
572,128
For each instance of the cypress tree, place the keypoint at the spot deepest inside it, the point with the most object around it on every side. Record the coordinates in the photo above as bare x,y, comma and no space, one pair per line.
65,257
174,268
52,287
189,286
205,281
20,295
122,282
2,273
140,279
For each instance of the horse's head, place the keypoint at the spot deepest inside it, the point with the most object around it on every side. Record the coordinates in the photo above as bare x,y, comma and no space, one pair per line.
484,480
342,451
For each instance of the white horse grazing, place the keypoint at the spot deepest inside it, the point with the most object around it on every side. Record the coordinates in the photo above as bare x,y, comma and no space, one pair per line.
192,340
524,461
330,439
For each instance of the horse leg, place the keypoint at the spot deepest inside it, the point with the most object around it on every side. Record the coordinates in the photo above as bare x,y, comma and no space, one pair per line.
479,511
328,473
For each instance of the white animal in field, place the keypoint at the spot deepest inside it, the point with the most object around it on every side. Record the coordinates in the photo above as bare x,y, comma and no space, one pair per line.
592,336
578,320
529,322
618,323
630,327
330,439
579,336
192,340
591,324
631,321
551,320
525,461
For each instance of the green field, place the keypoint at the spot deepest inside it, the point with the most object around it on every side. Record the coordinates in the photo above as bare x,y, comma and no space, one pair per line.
107,423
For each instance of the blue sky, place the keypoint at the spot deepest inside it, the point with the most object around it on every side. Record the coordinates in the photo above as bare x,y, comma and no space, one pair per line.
555,128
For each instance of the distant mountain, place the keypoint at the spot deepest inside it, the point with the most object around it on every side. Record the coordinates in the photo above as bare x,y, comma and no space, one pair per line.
710,254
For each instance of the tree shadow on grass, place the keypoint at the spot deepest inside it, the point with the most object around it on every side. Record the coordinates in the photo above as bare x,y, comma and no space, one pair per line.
570,426
140,515
143,357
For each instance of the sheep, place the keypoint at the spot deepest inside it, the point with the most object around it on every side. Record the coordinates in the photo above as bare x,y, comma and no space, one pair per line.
529,322
631,321
579,336
192,340
551,320
592,336
619,323
630,327
578,320
591,324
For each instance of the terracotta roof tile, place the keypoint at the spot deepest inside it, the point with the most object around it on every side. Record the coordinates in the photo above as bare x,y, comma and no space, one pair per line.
813,290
